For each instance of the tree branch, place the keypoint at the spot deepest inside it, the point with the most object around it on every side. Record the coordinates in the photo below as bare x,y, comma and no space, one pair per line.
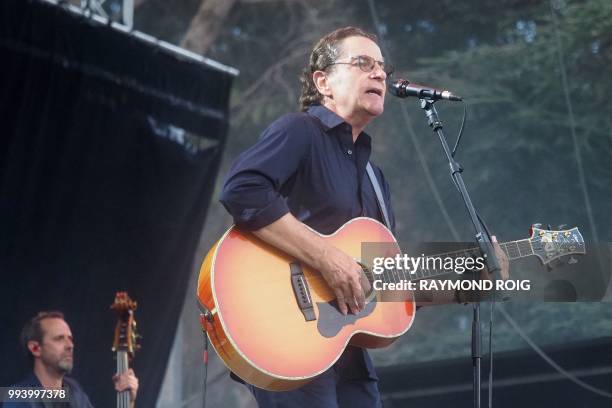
206,25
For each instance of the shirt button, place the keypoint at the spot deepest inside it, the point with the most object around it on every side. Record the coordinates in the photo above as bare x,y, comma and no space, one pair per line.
349,151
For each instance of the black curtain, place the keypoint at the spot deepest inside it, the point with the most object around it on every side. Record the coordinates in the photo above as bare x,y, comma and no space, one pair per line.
108,155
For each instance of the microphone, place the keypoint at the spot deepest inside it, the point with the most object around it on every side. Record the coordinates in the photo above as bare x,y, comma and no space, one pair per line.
402,88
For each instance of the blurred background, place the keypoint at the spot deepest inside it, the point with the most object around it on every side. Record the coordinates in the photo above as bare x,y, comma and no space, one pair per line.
537,148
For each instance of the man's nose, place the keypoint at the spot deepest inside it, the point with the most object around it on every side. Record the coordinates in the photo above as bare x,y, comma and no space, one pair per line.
378,71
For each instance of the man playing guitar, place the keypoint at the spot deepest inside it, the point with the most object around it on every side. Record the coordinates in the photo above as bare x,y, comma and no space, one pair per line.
308,172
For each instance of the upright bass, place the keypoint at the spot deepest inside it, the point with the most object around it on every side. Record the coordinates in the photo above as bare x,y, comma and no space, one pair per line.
125,342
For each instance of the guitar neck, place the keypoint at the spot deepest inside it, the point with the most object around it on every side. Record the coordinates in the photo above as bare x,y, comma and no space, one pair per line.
123,397
517,249
513,249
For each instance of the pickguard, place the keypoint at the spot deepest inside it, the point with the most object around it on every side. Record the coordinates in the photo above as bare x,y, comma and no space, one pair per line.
331,320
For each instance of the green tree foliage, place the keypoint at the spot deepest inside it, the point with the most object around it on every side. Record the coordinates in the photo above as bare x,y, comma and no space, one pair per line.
514,85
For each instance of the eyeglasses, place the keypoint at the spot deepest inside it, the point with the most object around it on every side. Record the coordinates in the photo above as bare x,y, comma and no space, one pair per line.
366,64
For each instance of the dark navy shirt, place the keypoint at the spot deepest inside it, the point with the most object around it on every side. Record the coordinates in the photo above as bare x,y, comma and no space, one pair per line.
307,164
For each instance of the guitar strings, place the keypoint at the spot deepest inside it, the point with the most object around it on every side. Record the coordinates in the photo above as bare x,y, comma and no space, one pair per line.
123,397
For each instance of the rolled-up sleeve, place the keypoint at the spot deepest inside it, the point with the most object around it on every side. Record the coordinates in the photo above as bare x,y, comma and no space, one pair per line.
251,192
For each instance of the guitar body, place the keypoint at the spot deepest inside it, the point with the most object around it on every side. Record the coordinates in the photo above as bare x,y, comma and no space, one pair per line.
257,326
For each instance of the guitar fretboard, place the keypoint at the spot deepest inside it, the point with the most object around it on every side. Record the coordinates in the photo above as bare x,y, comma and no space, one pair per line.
517,249
513,250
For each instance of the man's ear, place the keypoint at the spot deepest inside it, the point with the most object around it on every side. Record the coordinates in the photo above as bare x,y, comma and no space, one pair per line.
34,348
321,81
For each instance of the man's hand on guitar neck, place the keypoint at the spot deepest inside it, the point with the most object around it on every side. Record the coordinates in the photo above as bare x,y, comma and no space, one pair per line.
502,258
441,297
341,272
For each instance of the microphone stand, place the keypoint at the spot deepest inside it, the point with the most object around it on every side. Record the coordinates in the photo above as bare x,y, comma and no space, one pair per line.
482,238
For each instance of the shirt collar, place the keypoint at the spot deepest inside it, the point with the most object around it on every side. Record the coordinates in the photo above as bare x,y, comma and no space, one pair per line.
328,118
331,120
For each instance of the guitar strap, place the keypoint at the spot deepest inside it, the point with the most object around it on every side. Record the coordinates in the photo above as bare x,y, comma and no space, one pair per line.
379,195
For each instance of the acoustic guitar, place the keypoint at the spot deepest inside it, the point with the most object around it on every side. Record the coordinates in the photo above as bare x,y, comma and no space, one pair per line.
125,341
275,323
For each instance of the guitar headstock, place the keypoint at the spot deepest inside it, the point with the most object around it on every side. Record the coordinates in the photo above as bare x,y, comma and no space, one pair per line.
125,330
549,245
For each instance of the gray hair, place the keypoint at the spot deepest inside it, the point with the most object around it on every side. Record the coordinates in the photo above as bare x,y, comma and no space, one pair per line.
325,52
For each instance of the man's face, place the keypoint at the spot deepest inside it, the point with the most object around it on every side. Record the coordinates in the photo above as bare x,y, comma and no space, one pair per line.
57,347
358,96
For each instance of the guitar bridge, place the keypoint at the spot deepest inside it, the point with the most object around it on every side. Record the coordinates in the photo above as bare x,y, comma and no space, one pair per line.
301,291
